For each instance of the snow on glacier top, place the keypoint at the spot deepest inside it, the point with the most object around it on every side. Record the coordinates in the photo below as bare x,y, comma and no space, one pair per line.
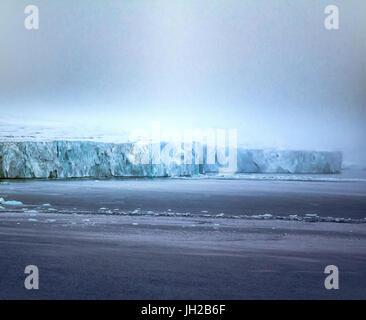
13,131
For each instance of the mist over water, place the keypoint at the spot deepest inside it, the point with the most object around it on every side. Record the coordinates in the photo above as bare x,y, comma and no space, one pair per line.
267,68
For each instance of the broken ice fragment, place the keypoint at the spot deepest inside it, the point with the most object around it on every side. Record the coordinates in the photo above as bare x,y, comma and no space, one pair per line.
30,211
13,203
267,216
311,217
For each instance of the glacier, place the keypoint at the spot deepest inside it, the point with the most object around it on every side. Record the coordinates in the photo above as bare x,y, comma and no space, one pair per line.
78,159
285,161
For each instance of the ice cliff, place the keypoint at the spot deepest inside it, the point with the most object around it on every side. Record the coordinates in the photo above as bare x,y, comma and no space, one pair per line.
73,159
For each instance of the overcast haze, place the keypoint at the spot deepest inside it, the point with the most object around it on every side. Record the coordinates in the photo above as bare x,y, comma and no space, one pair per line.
266,67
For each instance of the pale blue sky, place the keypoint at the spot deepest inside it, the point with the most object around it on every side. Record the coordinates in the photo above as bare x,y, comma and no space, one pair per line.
266,67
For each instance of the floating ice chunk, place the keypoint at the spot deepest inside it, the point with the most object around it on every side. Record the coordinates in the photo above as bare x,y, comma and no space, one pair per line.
220,215
46,205
30,211
204,211
256,216
51,209
135,224
32,220
51,220
4,182
311,217
2,200
13,203
267,216
135,211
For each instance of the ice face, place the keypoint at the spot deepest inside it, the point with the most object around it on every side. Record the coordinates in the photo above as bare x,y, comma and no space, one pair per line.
287,161
74,159
71,159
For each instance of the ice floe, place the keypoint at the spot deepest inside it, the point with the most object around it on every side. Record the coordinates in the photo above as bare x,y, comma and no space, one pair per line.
12,203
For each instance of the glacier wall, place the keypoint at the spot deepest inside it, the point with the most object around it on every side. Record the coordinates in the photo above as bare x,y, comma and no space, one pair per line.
76,159
284,161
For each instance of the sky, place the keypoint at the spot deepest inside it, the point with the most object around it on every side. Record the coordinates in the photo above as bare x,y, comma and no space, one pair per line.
267,68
